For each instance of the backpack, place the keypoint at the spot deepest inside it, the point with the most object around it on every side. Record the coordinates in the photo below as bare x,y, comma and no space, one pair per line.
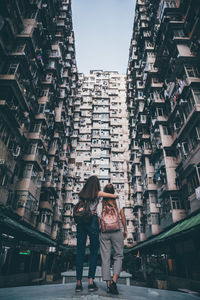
82,213
110,220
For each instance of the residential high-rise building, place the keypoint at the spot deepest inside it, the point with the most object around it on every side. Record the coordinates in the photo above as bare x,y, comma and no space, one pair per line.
100,142
163,98
38,78
140,132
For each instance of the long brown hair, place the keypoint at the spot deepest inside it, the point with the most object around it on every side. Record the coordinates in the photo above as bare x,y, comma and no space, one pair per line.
90,189
109,188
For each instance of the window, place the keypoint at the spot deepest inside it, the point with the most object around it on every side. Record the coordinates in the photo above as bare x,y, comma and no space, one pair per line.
195,135
12,69
143,118
3,178
41,108
193,182
157,95
140,94
197,96
32,148
155,219
35,127
152,96
27,171
179,33
148,44
160,111
185,148
19,47
147,145
48,219
171,3
155,80
152,198
191,71
166,130
150,179
30,14
176,203
5,136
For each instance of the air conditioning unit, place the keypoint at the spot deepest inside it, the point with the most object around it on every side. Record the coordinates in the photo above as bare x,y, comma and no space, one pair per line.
158,205
185,148
36,212
20,204
2,162
197,129
177,126
16,152
182,102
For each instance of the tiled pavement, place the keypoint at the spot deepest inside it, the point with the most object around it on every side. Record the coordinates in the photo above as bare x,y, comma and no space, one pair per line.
64,292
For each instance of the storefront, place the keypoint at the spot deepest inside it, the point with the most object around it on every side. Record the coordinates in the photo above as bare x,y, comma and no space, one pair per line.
174,254
23,251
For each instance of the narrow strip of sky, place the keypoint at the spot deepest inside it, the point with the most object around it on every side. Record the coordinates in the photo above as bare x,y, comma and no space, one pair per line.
103,31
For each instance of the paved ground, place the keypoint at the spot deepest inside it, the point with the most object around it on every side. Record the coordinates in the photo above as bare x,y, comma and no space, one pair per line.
64,292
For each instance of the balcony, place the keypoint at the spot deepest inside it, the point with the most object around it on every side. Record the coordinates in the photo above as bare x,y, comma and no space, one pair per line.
50,183
29,33
34,158
54,67
178,214
45,205
13,82
37,136
9,112
57,218
193,115
167,8
49,81
167,140
147,152
62,156
138,203
156,84
43,227
137,188
66,226
41,116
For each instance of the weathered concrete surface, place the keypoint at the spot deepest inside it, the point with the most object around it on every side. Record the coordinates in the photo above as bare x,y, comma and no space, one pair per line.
67,291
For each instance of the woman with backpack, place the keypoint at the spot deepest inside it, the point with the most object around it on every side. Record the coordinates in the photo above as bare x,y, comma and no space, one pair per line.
88,226
113,229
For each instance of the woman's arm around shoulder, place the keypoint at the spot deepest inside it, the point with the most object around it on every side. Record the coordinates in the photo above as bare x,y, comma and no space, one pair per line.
124,222
106,195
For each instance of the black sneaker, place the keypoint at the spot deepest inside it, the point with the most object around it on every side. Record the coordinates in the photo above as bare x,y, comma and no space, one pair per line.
92,287
78,288
108,290
112,289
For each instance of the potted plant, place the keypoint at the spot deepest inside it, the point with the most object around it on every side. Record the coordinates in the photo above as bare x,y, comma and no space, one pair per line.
155,274
51,258
161,279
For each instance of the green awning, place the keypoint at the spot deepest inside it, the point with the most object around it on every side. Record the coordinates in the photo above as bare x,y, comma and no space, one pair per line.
182,227
185,226
22,232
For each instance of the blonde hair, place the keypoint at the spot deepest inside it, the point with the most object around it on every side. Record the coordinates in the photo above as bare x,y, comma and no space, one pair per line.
109,188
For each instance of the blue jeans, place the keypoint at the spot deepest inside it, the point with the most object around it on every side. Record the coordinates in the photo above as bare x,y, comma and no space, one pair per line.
82,231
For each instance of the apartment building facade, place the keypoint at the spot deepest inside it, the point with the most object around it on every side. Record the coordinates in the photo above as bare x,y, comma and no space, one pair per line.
163,98
38,80
100,142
